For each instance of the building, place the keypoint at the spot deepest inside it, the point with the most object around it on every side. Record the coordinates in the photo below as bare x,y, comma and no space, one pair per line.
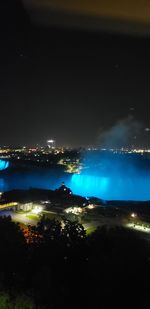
51,143
63,190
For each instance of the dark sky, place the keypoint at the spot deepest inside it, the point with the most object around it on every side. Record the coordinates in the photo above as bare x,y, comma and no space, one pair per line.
70,83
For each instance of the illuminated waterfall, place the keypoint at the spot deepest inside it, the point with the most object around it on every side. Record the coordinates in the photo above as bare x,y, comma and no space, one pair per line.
3,165
89,185
112,188
113,177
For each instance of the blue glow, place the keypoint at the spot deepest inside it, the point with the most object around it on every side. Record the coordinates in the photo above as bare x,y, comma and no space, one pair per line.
89,185
3,165
114,177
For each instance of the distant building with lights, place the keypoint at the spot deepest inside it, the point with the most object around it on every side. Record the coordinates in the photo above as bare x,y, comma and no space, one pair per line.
51,143
63,190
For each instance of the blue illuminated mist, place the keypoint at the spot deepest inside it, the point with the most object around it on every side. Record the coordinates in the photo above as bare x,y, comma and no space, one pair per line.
114,177
3,165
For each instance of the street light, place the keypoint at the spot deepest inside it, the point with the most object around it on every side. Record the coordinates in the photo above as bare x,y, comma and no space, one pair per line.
133,215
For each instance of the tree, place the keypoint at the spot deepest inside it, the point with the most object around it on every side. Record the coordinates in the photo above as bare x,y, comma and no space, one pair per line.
49,229
74,233
13,252
5,302
23,302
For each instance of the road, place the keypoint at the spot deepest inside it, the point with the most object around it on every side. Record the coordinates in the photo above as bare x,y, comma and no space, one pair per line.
22,218
18,217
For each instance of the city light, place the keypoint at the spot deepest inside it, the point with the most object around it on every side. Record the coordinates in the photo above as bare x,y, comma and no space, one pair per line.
8,205
51,143
133,215
37,210
74,210
139,227
91,206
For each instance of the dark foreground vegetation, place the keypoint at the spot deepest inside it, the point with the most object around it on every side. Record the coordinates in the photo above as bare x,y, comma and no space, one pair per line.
53,267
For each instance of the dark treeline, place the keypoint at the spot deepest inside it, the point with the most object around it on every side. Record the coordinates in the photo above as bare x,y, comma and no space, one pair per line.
50,267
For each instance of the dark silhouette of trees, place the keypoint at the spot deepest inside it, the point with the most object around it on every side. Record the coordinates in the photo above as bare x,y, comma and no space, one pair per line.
73,233
119,262
12,252
62,267
49,229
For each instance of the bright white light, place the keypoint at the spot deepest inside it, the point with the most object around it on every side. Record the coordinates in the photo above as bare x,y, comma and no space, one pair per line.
133,215
74,210
91,206
140,228
37,209
50,141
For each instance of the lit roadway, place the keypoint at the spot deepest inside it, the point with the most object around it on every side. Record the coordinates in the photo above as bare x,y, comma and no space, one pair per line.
144,232
17,217
22,218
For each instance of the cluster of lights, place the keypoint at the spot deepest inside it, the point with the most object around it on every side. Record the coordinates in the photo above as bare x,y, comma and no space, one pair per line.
29,153
4,150
91,206
140,228
127,150
74,210
71,167
37,210
141,151
8,205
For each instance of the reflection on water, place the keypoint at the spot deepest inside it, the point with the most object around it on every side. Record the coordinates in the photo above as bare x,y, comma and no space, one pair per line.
41,178
3,185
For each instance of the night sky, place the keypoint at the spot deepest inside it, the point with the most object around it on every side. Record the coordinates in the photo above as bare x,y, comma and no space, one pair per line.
69,79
